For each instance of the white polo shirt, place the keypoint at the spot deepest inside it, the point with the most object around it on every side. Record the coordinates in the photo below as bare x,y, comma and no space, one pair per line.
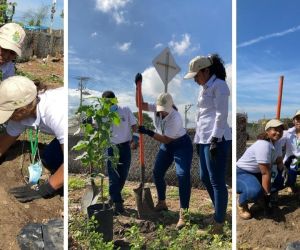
8,70
260,152
211,118
50,116
292,143
170,126
122,133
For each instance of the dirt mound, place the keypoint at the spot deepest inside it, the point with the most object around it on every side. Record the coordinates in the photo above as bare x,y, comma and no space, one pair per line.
274,232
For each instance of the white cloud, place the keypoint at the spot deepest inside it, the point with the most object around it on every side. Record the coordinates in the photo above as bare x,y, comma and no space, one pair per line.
158,45
113,7
94,34
180,47
124,47
265,37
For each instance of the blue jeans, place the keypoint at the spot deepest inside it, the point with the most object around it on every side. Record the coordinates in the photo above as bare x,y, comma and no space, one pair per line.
292,173
181,151
117,176
212,174
248,185
52,156
250,188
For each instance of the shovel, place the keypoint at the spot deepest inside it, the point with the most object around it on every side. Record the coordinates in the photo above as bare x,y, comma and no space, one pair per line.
90,196
143,198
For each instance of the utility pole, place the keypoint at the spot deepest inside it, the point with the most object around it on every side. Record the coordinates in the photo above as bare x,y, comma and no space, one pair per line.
186,109
82,85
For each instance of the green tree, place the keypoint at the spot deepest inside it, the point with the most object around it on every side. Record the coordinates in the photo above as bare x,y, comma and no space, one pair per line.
96,138
7,10
37,17
147,120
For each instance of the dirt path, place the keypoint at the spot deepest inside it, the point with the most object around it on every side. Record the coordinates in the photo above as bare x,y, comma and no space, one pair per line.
274,232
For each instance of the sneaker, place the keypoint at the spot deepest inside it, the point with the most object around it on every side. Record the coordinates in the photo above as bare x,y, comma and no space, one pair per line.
161,206
244,211
118,208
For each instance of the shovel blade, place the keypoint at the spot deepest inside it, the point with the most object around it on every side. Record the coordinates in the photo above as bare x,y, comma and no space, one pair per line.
144,201
90,196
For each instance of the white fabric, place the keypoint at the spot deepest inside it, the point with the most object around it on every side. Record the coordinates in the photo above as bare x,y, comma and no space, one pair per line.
260,152
212,114
122,133
292,143
170,126
8,70
50,116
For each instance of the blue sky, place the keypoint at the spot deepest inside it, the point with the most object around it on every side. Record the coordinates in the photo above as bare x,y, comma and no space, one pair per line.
111,40
23,6
268,37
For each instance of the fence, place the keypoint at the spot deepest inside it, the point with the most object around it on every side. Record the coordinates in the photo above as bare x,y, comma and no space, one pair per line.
151,149
38,43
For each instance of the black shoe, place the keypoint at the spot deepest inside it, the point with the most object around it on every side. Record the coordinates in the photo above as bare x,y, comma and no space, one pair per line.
118,208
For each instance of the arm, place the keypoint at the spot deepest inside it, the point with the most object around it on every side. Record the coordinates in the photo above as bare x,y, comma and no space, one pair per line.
161,138
279,163
266,177
5,142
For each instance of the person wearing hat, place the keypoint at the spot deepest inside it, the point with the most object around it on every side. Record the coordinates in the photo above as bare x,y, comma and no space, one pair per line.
175,146
122,138
213,134
291,141
12,37
256,176
23,107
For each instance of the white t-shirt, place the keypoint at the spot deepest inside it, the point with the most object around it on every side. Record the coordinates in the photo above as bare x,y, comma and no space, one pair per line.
260,152
50,116
211,118
8,70
122,133
292,143
171,125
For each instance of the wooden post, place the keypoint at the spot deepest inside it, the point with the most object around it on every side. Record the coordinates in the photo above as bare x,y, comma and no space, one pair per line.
279,97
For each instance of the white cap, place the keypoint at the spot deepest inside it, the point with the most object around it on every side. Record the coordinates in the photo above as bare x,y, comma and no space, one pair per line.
196,64
12,36
274,123
15,92
297,114
164,102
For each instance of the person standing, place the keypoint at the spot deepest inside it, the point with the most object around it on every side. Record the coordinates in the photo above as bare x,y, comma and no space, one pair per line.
122,138
175,146
213,134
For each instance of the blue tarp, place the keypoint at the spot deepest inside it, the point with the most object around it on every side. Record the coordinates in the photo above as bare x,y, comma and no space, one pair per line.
29,27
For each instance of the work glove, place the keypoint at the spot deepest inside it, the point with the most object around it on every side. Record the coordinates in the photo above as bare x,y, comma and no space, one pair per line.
138,78
213,148
143,130
31,192
268,204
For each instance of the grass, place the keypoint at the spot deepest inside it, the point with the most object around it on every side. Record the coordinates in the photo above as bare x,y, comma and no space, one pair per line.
76,183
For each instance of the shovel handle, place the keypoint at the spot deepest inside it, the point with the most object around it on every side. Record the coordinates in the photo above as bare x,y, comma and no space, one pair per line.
140,118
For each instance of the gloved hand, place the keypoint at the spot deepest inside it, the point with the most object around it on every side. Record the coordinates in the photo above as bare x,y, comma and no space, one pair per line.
213,148
32,192
268,204
138,78
143,130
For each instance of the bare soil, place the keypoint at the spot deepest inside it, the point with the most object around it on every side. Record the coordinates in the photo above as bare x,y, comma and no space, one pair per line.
275,231
13,214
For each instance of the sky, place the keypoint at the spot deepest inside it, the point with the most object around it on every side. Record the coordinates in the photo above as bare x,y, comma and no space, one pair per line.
268,38
23,6
112,40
